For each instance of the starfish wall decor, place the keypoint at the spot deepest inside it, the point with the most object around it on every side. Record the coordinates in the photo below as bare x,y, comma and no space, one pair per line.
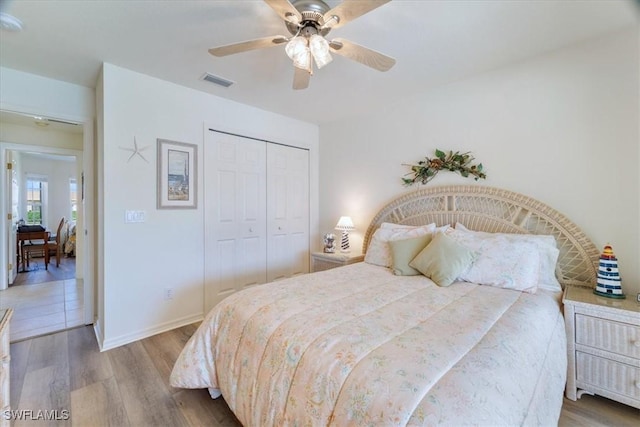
135,151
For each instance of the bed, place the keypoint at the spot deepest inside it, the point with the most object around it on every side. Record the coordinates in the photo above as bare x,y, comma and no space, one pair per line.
360,345
69,241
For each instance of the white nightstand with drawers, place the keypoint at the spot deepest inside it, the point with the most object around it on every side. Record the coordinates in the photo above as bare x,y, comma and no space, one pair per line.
603,344
321,261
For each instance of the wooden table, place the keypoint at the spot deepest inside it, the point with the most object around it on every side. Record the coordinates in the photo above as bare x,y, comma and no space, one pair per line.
31,241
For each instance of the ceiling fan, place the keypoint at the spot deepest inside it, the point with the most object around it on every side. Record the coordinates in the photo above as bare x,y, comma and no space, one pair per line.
309,21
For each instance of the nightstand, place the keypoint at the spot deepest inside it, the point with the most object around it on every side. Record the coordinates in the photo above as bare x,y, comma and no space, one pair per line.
321,261
603,346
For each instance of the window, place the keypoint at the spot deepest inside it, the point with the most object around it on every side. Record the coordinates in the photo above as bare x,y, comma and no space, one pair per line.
35,197
73,193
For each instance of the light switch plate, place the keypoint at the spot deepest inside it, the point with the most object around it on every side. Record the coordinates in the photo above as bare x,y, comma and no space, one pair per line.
638,297
134,216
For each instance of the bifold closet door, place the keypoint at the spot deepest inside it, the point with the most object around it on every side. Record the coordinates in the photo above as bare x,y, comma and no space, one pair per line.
287,211
235,220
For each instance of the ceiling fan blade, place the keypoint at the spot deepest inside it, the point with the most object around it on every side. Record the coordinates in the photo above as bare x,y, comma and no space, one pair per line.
301,78
286,10
363,55
349,10
264,42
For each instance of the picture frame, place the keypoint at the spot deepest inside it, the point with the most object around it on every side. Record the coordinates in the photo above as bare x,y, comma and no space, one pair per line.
177,175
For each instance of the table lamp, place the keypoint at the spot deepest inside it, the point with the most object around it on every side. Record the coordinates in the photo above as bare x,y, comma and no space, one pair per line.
345,224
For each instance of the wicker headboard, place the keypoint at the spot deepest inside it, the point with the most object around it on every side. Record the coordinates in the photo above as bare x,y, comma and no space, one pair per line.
494,210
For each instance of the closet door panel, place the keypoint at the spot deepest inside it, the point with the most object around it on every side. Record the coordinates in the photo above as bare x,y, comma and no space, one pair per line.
287,211
223,265
235,224
250,249
299,263
251,207
278,257
225,200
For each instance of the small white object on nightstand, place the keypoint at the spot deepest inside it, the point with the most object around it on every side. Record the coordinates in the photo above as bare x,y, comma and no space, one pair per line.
603,345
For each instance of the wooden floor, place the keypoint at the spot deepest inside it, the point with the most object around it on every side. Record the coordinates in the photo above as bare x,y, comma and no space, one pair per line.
37,273
128,386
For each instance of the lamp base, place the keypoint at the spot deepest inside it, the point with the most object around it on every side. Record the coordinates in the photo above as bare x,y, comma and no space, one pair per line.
344,243
604,294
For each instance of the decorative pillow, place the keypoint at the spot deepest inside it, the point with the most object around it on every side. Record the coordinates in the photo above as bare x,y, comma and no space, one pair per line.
545,245
379,253
503,263
403,251
443,260
442,229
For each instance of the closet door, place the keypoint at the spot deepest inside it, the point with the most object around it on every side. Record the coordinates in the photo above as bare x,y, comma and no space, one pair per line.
235,205
287,211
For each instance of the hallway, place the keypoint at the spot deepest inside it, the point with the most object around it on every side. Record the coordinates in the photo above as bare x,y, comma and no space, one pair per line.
45,301
44,308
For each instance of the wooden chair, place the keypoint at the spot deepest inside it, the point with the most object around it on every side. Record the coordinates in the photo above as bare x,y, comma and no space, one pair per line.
36,242
55,245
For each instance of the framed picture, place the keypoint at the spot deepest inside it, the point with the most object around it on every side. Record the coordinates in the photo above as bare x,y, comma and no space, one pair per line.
177,175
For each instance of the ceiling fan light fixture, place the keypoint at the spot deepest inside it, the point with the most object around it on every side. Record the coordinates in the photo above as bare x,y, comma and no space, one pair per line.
309,22
298,50
320,50
296,46
303,60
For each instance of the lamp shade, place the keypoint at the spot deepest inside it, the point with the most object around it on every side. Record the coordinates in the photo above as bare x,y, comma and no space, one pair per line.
320,50
345,224
295,46
298,50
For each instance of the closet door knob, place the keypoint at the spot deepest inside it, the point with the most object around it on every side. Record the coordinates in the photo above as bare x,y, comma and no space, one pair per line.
250,230
279,228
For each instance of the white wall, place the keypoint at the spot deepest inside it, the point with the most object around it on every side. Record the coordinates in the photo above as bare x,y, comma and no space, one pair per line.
29,135
562,128
142,259
32,94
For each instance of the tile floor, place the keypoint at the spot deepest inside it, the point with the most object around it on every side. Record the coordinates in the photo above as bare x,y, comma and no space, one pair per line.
44,308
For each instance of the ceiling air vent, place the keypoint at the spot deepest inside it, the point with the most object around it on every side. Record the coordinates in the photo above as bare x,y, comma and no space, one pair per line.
62,122
216,80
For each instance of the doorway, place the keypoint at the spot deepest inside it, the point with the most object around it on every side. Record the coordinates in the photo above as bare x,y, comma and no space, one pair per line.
44,193
50,153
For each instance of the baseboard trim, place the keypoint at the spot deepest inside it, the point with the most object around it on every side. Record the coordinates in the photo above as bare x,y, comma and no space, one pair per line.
99,336
148,332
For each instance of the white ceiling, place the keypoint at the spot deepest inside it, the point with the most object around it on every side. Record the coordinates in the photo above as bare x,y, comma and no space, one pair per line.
434,42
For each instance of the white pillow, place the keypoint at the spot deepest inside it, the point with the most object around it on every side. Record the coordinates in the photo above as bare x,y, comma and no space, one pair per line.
545,246
503,263
379,252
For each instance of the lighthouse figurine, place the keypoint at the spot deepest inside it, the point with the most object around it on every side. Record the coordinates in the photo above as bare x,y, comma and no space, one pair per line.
608,284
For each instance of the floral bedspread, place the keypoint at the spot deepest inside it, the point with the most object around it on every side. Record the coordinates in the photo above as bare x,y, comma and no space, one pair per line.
359,346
